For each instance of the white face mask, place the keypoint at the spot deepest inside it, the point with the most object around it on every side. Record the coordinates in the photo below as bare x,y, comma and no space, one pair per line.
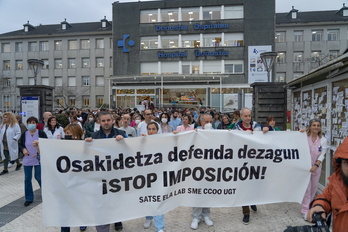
137,121
164,120
208,126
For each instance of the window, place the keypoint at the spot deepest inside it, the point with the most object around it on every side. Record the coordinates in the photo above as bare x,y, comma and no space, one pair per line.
7,65
333,54
234,66
99,100
332,35
169,67
58,64
85,81
58,45
99,62
190,14
212,40
234,39
58,81
59,101
280,77
85,101
71,81
169,15
85,44
298,36
19,64
111,62
169,41
5,47
211,67
280,36
100,81
280,57
149,68
317,35
190,67
71,63
99,43
191,41
234,12
72,44
43,46
297,74
315,56
19,81
32,46
298,56
45,81
149,42
211,13
46,64
86,63
19,47
31,81
71,100
148,16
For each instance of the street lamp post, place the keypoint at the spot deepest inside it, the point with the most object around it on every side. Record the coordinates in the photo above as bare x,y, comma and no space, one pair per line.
35,65
268,60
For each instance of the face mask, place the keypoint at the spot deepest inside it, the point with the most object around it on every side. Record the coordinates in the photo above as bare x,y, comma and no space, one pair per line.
68,137
31,126
137,121
174,116
208,126
164,120
90,119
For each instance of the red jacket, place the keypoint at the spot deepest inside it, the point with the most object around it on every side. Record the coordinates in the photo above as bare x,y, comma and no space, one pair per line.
335,195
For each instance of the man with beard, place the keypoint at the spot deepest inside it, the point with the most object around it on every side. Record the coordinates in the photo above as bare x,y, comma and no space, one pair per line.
335,195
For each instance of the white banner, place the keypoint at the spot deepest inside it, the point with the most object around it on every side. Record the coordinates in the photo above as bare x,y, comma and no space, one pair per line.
105,181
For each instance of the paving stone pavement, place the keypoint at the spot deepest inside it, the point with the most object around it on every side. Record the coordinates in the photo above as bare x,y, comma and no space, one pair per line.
270,217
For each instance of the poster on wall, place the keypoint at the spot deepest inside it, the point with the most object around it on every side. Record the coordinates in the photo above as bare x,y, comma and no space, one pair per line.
30,107
230,102
257,72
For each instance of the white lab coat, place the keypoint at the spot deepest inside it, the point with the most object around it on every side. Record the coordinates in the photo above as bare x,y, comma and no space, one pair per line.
13,134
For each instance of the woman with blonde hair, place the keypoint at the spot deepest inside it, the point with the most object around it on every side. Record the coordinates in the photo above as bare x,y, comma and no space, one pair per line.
9,135
317,148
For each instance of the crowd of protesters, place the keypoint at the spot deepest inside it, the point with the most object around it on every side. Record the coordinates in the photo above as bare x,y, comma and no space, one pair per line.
21,143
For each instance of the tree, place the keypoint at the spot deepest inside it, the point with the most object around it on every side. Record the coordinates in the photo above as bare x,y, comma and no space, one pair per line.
68,96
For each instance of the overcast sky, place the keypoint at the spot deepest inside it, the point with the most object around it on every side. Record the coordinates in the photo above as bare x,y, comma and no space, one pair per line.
15,13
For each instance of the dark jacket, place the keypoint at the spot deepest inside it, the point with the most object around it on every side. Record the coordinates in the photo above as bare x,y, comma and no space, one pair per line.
114,132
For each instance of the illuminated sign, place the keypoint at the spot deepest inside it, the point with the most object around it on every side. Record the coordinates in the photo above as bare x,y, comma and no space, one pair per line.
195,26
171,54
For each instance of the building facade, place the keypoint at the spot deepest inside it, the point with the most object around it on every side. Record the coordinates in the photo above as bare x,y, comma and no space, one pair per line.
307,40
188,52
77,63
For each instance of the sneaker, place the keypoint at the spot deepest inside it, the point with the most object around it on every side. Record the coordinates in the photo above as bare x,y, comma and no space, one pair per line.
118,226
194,223
27,203
18,167
9,165
147,223
246,219
4,172
253,207
208,221
83,228
304,215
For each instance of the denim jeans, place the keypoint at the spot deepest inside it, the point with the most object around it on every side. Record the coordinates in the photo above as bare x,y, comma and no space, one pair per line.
158,220
28,187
